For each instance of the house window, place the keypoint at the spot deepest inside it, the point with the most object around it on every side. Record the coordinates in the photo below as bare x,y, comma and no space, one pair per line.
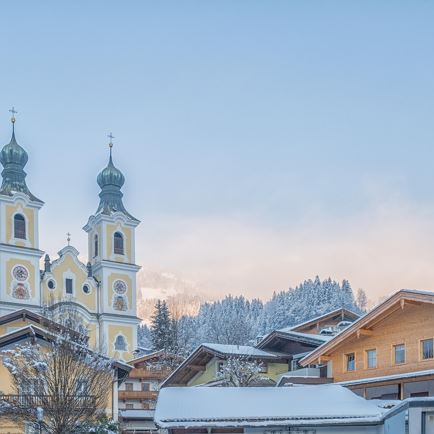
68,286
146,387
95,245
427,349
371,358
19,226
120,343
118,242
129,406
129,387
350,361
399,351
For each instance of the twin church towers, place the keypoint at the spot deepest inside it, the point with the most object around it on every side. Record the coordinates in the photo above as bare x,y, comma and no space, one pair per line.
103,291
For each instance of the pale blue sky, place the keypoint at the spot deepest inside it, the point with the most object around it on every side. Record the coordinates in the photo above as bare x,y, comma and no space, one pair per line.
252,134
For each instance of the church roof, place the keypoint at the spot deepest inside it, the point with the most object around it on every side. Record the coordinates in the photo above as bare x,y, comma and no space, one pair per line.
13,159
111,180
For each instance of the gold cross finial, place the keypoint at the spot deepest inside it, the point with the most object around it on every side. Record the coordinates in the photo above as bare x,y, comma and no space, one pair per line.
68,235
14,112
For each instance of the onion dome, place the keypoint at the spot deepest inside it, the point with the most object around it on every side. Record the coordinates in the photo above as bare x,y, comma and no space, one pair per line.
13,159
13,153
111,175
111,180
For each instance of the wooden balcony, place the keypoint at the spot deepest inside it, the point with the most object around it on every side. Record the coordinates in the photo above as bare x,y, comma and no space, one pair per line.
151,374
45,401
137,394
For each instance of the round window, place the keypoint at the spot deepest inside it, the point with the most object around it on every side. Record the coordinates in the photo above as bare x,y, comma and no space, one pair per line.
86,289
51,284
20,273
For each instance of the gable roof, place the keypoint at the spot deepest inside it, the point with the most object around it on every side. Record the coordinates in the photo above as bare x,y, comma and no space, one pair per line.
34,332
287,334
182,407
344,312
154,355
202,355
25,314
239,350
364,324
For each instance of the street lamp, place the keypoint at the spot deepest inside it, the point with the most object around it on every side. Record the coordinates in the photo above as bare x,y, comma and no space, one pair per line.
40,417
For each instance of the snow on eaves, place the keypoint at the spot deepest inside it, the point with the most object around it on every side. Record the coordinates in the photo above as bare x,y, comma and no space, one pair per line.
310,336
320,317
238,350
260,406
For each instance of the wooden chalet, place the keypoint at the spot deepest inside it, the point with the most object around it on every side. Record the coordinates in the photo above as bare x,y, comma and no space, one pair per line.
388,353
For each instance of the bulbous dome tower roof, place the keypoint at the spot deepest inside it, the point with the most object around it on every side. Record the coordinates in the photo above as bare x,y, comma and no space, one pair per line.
111,180
111,175
13,153
13,159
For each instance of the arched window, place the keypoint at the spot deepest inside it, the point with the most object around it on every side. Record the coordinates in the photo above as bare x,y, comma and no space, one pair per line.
120,343
118,242
19,226
95,245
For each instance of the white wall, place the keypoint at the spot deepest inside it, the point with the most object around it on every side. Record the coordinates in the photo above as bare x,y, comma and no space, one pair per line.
324,430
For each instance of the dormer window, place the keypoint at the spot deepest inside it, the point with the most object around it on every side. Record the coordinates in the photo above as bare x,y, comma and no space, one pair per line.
19,226
118,242
95,246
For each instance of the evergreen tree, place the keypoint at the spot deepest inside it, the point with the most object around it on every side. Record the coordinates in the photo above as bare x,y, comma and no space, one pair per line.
238,321
161,330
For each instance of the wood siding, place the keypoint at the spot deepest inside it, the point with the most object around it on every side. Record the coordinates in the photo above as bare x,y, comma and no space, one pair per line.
408,326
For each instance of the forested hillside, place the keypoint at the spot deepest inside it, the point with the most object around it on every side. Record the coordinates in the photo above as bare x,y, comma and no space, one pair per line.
236,320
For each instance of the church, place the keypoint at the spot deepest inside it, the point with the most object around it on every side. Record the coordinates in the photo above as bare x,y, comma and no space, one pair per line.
102,292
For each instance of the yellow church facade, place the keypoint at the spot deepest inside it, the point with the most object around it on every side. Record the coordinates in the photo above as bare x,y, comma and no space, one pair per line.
102,291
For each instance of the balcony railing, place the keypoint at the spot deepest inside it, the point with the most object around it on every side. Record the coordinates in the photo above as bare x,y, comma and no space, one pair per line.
149,373
45,401
137,394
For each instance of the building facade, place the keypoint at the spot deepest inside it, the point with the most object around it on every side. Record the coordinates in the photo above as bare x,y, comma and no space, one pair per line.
386,354
102,291
138,394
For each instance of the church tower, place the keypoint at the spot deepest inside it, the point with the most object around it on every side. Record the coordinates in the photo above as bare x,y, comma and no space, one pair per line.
19,234
111,249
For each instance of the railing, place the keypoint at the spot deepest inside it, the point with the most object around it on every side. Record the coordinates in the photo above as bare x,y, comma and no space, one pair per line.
137,394
33,401
149,373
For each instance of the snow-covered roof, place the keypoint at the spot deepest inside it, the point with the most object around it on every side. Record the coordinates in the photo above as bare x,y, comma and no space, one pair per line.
288,331
38,332
238,350
290,335
378,311
205,352
323,316
262,406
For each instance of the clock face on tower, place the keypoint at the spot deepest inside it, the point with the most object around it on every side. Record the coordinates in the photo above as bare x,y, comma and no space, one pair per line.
119,287
20,273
